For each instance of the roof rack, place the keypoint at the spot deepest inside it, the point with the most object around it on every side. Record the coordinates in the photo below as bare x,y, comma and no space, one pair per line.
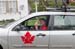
63,8
68,9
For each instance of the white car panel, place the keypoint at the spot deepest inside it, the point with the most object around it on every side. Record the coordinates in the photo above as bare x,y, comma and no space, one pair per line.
49,39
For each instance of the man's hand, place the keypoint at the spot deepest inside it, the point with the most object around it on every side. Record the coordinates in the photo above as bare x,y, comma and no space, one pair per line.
36,24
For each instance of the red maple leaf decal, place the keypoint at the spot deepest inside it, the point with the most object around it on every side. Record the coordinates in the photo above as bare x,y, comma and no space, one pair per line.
27,38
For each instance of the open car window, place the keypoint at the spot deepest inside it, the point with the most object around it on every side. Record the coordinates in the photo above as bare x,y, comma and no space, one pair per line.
30,23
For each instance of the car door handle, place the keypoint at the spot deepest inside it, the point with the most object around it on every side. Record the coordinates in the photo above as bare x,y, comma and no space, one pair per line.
40,34
73,34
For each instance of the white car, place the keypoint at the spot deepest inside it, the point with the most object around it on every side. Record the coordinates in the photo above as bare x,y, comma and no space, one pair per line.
57,31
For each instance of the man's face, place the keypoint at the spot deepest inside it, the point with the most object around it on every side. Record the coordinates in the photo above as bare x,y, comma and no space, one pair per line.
42,22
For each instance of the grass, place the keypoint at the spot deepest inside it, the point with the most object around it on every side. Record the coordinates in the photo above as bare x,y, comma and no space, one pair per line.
5,22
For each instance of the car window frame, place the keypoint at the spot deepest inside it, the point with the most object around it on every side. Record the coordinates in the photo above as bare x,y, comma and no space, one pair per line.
31,18
52,26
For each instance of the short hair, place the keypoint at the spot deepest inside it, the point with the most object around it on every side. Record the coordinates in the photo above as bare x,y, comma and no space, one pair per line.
42,19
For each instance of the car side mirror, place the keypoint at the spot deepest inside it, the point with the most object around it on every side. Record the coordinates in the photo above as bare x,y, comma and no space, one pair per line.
17,28
20,28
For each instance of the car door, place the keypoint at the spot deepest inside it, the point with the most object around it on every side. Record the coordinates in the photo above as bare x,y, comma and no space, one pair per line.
63,31
25,36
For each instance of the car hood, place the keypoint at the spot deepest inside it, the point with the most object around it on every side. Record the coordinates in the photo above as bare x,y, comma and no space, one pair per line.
3,31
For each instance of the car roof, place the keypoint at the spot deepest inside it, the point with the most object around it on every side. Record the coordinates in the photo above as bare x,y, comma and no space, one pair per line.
53,13
41,13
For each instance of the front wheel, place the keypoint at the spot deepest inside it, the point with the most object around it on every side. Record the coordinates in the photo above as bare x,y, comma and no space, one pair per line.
1,47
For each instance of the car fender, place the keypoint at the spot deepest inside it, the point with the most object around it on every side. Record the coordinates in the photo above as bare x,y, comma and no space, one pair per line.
4,38
4,44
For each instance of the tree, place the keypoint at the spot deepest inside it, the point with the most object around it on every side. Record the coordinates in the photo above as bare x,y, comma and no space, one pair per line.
41,5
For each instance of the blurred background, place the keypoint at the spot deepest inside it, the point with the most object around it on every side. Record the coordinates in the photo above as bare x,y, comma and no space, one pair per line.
11,10
48,5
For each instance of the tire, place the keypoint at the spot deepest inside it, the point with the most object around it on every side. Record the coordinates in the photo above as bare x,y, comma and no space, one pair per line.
1,47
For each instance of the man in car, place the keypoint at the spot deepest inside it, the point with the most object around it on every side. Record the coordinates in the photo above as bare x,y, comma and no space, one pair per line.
42,23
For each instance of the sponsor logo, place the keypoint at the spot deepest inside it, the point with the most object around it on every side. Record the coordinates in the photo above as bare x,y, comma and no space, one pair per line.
28,38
